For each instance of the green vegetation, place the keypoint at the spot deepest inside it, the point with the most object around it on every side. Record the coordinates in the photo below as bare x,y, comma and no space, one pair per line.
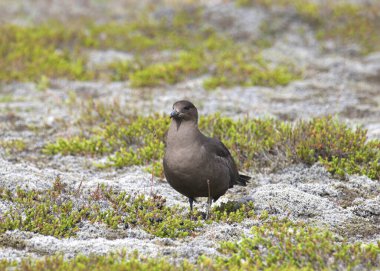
284,245
247,69
341,149
6,99
342,21
166,51
58,212
169,50
13,145
31,52
255,143
234,70
270,143
126,139
169,73
42,212
49,214
275,245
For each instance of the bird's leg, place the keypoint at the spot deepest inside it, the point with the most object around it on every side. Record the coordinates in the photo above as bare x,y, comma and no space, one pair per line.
209,202
209,199
191,201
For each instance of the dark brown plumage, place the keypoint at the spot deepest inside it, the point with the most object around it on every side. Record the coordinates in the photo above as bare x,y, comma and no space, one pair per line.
196,165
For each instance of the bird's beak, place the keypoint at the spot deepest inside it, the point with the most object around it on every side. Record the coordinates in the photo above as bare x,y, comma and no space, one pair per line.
174,114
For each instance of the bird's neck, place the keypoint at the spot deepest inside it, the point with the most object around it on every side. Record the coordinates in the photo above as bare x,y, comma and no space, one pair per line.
181,132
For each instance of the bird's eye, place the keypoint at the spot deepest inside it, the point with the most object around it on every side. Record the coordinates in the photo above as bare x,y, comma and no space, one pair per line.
186,107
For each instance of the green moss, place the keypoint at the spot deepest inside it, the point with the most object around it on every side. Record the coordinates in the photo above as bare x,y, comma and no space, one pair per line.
275,245
57,212
31,52
55,50
7,99
120,70
145,34
43,83
51,213
356,24
245,68
260,143
78,145
338,147
13,145
284,245
131,140
342,21
114,261
166,51
232,212
37,212
187,64
149,213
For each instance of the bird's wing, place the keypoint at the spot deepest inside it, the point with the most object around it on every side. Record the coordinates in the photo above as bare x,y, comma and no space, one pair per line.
224,157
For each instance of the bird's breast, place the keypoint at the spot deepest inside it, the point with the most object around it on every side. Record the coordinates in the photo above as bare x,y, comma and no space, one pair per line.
183,160
188,171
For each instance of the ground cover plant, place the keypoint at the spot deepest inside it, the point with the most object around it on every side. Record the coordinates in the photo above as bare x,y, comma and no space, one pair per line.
52,50
70,136
59,212
255,143
342,21
13,145
188,48
274,245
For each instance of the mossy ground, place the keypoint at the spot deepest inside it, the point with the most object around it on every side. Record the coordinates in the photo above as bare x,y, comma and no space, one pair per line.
13,145
342,21
255,143
167,51
275,245
59,212
53,50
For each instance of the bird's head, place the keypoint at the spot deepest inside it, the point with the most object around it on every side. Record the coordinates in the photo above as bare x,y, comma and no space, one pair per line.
184,111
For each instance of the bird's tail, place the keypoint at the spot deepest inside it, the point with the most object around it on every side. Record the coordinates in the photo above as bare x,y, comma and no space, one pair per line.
243,180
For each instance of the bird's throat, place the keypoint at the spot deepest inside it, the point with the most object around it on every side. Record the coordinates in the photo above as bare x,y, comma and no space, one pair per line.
181,133
183,126
178,123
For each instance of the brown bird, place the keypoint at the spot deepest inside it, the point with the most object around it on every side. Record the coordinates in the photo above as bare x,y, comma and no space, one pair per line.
196,165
